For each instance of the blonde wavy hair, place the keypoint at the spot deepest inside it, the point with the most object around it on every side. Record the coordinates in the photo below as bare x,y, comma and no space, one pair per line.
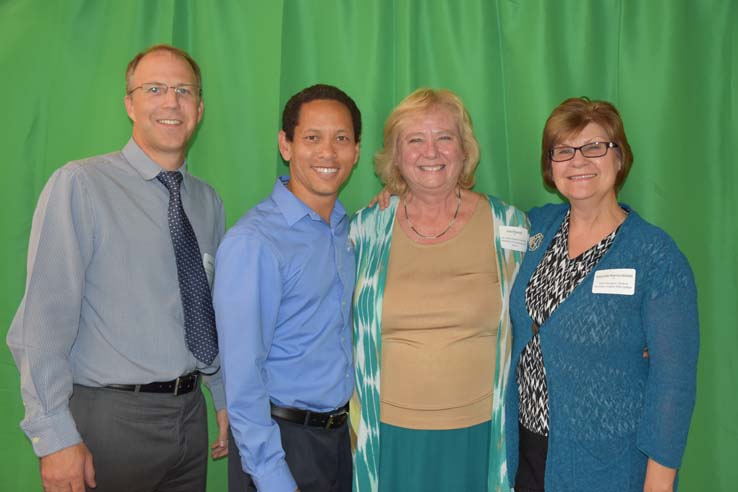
422,101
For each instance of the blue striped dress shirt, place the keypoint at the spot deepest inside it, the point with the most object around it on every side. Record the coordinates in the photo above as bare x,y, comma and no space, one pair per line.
102,303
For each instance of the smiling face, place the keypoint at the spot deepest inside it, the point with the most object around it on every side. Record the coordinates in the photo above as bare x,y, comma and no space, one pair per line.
587,178
163,123
430,152
321,154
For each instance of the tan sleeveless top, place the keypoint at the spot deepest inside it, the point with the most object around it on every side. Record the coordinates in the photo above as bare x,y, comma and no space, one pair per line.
440,314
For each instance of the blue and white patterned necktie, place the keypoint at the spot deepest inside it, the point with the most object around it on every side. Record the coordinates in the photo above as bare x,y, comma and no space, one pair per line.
200,334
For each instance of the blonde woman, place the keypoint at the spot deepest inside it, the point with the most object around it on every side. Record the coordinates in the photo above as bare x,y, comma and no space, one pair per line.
431,324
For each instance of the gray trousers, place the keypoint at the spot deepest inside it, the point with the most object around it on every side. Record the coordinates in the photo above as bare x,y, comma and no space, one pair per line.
143,442
319,459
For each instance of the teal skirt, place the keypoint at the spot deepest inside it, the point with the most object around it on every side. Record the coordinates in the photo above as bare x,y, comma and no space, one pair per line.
421,460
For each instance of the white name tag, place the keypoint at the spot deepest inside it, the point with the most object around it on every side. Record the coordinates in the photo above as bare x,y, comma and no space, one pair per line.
620,281
208,263
514,238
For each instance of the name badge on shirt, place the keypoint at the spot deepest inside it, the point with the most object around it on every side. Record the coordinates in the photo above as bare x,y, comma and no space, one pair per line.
208,263
620,281
514,238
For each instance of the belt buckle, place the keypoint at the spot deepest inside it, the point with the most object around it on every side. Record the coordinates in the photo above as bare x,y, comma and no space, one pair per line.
176,385
334,418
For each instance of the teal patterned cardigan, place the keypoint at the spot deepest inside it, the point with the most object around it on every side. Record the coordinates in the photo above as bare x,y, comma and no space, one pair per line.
371,233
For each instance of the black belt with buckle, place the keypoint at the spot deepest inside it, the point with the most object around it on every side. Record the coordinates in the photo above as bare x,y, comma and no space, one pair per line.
180,386
328,420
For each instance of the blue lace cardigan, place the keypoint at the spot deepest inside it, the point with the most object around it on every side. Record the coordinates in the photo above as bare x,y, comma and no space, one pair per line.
610,408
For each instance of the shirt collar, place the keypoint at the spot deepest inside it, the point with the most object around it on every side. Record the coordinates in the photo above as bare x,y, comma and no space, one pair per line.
145,166
293,209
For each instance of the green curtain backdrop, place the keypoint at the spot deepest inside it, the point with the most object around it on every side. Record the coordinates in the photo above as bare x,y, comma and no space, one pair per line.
671,67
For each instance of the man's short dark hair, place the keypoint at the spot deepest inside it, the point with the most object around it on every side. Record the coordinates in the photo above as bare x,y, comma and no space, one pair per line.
291,113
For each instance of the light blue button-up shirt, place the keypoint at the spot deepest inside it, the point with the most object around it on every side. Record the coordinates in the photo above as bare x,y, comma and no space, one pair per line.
102,303
283,285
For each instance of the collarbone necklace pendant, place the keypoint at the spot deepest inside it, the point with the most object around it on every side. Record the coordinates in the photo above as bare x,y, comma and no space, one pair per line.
448,227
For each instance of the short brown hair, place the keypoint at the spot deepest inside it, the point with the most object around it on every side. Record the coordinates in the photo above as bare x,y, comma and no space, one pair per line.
170,49
570,117
421,101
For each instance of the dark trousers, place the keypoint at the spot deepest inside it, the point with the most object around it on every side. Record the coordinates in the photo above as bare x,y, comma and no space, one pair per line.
143,442
532,454
319,459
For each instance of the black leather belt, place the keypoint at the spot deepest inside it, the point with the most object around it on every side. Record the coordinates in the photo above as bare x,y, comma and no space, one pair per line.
180,386
328,420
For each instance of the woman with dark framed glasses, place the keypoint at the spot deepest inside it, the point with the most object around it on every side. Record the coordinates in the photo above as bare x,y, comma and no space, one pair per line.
605,327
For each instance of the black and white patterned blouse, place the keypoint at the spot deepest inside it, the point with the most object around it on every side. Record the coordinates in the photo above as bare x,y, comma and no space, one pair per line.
555,277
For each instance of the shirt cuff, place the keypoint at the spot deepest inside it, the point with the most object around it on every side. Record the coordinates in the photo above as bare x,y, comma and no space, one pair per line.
52,433
278,480
217,390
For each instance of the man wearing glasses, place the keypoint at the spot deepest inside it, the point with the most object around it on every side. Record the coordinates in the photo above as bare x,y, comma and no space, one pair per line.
116,326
